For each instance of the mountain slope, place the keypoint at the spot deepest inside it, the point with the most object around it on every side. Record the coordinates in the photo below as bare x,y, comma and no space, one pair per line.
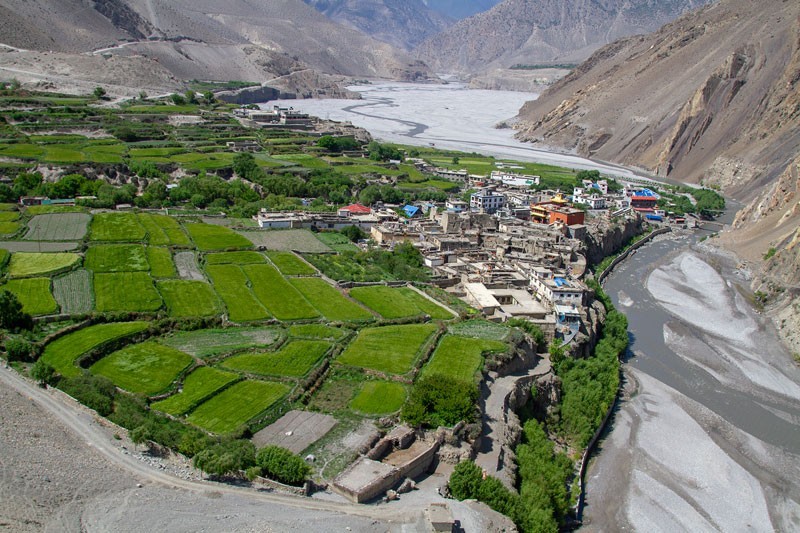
401,23
543,31
460,9
254,40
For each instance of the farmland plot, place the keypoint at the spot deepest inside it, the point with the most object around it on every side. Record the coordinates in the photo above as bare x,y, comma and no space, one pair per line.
62,353
146,368
300,240
231,285
380,397
34,294
235,258
117,258
188,269
329,301
207,343
8,222
161,265
125,291
316,331
391,349
461,357
189,298
237,405
28,246
58,227
294,359
277,294
24,264
397,302
290,265
198,386
209,238
117,227
73,292
163,230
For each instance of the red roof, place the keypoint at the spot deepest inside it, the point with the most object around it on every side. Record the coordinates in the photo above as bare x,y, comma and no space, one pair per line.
357,209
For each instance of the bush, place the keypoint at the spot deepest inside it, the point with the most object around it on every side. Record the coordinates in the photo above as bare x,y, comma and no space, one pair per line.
440,400
465,481
282,465
92,391
43,373
226,457
19,350
11,315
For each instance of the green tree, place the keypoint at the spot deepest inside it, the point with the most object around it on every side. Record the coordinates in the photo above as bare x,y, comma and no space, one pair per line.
99,93
455,159
12,316
226,458
282,465
465,481
354,233
43,372
19,350
440,400
177,99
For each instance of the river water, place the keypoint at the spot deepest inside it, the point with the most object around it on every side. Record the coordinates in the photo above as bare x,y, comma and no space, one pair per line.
708,435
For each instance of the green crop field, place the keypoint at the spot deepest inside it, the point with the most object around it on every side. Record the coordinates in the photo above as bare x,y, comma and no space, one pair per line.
461,357
58,227
231,285
336,241
9,228
480,329
237,405
301,240
316,331
277,294
235,258
208,237
5,255
398,303
146,368
294,359
201,384
291,265
161,263
117,227
329,301
116,258
391,349
49,209
189,298
25,264
163,230
125,291
379,398
207,343
62,353
73,292
34,294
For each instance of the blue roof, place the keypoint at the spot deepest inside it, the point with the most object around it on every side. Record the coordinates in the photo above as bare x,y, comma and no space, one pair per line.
560,282
410,210
645,192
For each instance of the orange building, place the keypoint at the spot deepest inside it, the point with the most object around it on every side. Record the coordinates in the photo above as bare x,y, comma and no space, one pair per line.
566,215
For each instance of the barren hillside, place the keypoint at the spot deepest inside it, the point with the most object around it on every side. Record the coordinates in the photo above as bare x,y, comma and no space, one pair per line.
543,31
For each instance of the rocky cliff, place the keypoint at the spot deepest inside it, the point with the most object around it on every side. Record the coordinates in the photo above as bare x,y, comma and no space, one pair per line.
543,31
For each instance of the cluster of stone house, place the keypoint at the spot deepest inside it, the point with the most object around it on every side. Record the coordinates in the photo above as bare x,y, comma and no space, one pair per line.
277,116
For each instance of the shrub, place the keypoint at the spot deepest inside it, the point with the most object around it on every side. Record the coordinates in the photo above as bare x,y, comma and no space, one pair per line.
282,465
11,315
43,373
465,481
19,350
440,400
226,457
94,392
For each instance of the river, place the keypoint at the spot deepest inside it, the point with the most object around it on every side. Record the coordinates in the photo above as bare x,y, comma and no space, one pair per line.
707,437
446,116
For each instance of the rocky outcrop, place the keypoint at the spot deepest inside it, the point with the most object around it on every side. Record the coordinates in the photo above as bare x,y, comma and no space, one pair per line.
608,238
543,31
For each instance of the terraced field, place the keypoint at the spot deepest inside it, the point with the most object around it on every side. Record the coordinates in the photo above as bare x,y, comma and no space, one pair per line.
8,222
163,230
329,301
290,265
207,343
294,359
379,398
198,386
398,302
73,292
390,349
117,258
146,368
62,353
461,357
300,240
26,264
117,227
230,282
316,331
34,294
237,405
188,269
125,291
277,295
235,258
58,227
189,298
161,263
209,238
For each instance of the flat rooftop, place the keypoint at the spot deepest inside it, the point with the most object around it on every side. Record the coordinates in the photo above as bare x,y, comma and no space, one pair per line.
361,473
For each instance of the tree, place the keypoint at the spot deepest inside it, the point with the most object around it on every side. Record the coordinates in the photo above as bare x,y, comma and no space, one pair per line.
226,457
43,372
465,481
18,350
177,99
282,465
140,434
456,160
354,233
440,400
142,95
208,97
191,97
11,315
99,93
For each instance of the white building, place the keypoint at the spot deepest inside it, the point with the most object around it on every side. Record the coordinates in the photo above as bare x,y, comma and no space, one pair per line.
512,179
487,201
556,290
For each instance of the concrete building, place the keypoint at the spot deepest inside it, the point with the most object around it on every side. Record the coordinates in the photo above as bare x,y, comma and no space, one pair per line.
511,179
565,215
487,201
